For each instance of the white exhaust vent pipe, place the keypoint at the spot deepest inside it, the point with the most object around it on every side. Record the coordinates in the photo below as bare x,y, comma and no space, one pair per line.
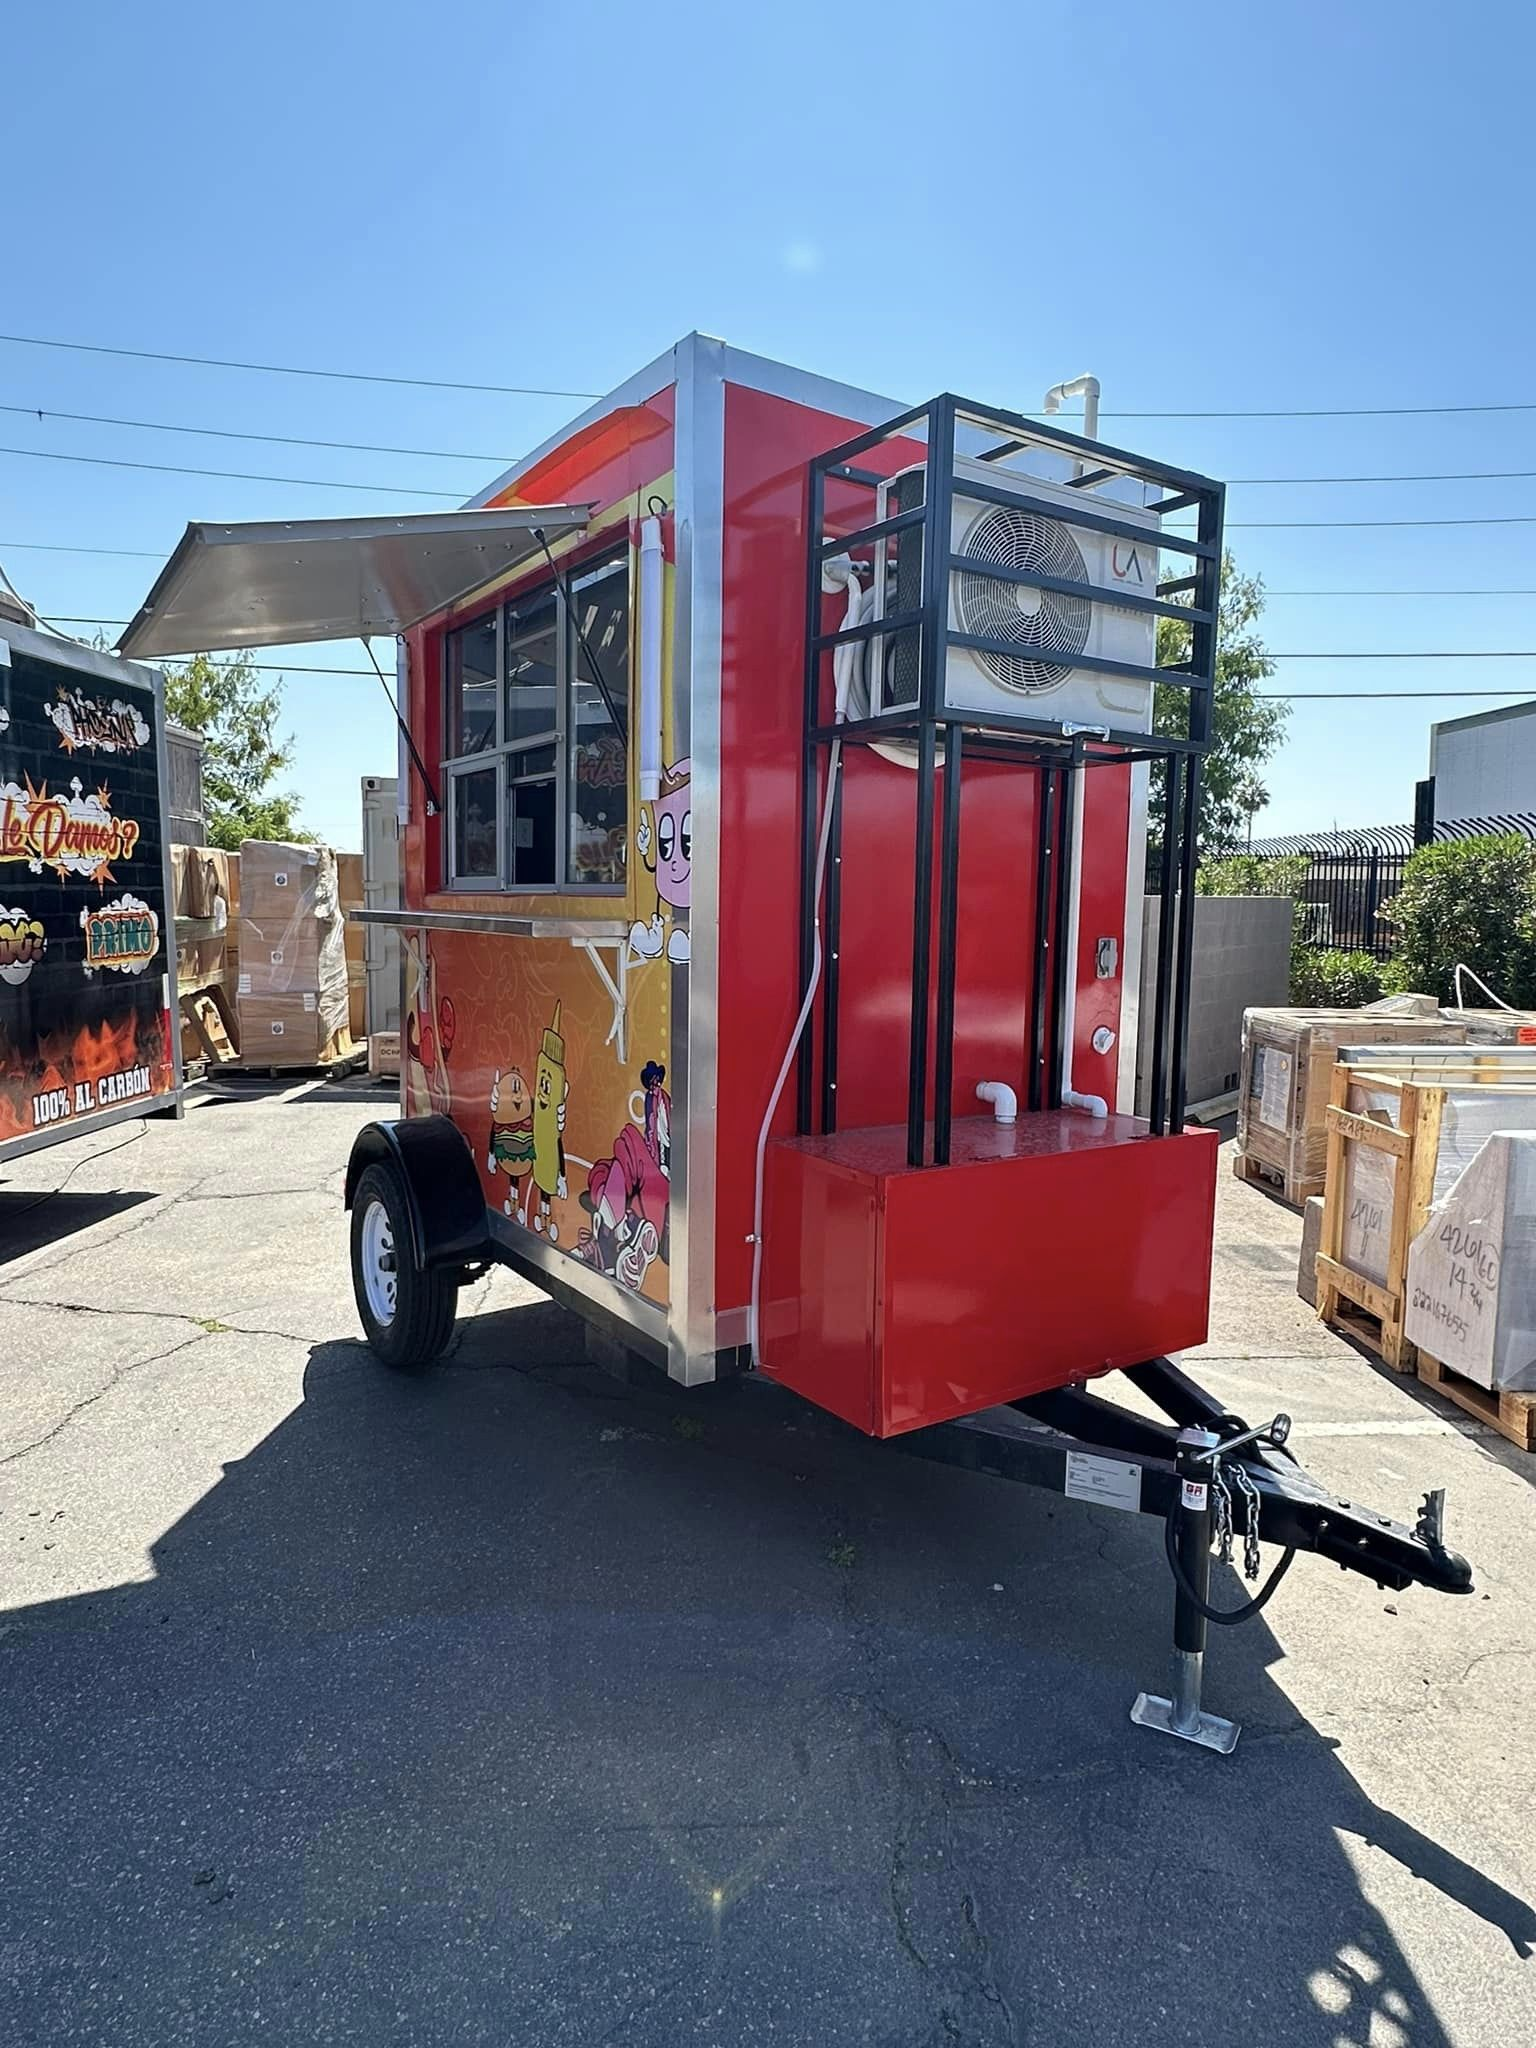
1004,1101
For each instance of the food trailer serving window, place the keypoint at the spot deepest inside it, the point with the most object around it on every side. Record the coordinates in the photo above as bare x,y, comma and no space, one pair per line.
537,778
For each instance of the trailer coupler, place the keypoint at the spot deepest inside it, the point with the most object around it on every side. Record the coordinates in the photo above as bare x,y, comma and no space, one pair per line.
1207,1475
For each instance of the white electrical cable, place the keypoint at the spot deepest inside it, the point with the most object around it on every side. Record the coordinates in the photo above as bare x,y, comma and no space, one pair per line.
1463,969
844,667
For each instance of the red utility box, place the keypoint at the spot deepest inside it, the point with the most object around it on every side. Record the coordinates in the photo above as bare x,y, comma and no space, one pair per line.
1047,1250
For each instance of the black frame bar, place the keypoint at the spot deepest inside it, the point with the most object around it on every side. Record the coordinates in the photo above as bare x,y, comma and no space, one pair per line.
1055,752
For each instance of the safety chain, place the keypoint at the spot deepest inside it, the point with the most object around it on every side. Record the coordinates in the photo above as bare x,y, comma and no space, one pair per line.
1222,1514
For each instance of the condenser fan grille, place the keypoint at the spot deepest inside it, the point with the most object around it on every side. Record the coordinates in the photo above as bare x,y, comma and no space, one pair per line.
1048,628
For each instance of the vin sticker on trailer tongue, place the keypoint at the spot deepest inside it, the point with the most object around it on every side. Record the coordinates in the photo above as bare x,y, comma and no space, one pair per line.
1108,1481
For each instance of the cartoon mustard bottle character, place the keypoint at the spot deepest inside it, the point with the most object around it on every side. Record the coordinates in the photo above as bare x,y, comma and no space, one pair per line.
511,1146
550,1088
672,866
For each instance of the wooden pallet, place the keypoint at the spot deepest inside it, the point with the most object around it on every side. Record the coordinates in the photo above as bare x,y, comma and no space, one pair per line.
341,1055
1260,1173
1512,1415
1374,1310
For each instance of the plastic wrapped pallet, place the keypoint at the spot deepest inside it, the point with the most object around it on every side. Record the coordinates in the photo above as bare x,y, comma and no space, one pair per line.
293,969
200,886
1472,1268
1286,1074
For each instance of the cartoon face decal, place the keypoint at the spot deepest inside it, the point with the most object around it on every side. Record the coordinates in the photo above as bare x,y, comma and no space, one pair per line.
666,851
674,838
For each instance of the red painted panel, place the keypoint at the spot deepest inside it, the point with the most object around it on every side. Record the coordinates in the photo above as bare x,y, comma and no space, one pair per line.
818,1287
768,442
1052,1250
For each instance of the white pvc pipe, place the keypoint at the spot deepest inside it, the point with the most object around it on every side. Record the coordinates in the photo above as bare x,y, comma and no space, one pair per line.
1086,388
1095,1105
1004,1100
652,560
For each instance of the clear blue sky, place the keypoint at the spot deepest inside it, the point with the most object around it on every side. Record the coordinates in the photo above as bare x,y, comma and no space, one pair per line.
1212,207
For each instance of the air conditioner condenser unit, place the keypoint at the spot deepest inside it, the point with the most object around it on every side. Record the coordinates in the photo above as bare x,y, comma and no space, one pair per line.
1034,669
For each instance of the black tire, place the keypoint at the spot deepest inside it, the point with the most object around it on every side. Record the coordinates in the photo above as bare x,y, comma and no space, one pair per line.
426,1298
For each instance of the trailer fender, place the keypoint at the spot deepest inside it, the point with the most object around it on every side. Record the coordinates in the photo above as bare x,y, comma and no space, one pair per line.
441,1185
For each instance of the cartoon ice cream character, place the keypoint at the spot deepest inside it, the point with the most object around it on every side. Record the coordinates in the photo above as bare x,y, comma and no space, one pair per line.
550,1088
630,1194
511,1145
672,866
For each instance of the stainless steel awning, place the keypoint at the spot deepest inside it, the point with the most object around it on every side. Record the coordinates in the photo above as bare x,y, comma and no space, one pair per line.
273,583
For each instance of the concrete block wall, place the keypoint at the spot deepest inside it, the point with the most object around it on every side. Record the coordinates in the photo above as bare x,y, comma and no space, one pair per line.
1242,960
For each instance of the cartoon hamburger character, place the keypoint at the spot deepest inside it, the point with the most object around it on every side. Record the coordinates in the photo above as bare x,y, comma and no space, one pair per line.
511,1145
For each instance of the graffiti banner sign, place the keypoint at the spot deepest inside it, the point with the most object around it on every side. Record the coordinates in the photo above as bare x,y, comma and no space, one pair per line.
85,1023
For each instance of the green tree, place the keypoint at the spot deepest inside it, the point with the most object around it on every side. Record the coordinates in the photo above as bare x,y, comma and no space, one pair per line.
1245,728
1471,901
242,751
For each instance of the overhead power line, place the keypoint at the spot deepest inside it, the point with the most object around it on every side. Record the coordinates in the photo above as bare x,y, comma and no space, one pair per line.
244,476
54,547
1375,696
1400,593
151,355
97,419
1440,476
1274,525
1330,412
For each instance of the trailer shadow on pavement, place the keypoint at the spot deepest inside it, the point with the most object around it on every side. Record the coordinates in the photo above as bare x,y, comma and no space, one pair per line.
30,1219
514,1704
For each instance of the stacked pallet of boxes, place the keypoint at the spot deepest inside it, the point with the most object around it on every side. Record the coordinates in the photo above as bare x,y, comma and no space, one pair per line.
349,883
293,968
1286,1078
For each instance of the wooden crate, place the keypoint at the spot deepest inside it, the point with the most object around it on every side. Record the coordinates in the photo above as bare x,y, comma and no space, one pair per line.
1380,1182
1512,1415
1283,1089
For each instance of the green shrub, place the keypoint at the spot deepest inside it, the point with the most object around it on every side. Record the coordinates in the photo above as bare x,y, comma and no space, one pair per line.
1471,900
1252,874
1324,978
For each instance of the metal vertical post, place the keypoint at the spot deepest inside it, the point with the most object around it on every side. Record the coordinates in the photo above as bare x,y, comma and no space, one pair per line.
949,898
1166,905
1045,876
809,763
1061,932
1184,958
831,947
922,938
1181,1713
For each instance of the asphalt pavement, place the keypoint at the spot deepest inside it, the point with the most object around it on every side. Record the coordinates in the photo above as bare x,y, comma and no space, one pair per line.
518,1705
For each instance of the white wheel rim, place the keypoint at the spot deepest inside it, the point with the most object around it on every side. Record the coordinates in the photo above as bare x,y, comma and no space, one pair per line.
378,1263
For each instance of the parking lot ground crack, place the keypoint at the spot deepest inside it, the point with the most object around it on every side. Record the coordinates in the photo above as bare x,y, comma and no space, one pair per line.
207,1326
87,1401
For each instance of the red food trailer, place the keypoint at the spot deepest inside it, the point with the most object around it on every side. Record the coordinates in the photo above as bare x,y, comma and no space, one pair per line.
846,1101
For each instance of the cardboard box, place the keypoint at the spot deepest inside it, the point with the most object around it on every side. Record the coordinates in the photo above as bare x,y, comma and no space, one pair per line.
282,1030
200,906
1286,1076
291,936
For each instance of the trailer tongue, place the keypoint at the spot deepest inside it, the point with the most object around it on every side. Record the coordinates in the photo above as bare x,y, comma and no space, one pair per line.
1209,1477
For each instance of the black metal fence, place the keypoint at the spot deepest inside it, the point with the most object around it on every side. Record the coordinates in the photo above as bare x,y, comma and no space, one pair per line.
1339,894
1340,902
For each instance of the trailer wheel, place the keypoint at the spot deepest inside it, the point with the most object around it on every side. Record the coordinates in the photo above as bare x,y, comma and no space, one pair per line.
407,1310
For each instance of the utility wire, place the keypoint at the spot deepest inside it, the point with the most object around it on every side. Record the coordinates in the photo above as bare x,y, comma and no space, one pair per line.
1273,525
151,355
97,419
94,419
244,476
1339,412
